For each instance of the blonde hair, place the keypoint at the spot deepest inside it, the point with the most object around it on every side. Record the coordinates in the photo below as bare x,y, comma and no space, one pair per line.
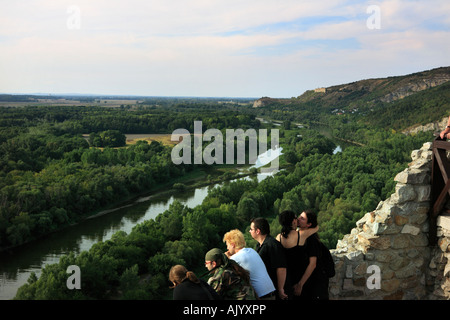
179,273
235,237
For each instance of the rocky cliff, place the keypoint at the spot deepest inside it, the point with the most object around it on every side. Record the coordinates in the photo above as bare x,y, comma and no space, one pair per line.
414,85
436,126
387,254
364,94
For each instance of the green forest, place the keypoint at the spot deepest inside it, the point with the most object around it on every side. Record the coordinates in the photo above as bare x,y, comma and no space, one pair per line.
52,177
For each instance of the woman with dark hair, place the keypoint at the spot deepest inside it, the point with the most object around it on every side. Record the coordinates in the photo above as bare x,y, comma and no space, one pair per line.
301,251
187,286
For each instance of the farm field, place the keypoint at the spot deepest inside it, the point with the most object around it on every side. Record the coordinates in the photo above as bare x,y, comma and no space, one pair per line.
160,137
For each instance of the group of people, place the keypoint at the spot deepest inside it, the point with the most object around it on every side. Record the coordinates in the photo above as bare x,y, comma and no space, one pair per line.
287,267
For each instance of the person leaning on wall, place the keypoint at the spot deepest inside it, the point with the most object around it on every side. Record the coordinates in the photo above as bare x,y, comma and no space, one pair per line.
444,133
227,277
272,254
250,260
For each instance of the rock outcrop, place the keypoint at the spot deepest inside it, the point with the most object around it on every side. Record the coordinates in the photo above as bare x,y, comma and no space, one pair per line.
436,126
415,86
264,101
387,254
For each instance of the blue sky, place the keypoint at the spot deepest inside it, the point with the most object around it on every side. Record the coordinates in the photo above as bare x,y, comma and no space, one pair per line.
233,48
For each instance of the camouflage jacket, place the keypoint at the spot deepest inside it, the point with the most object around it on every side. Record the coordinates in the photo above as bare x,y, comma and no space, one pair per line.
230,286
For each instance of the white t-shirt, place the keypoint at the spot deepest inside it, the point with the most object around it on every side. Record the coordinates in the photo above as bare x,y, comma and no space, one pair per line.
250,260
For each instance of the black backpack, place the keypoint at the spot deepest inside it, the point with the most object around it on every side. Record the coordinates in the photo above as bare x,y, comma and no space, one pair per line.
326,261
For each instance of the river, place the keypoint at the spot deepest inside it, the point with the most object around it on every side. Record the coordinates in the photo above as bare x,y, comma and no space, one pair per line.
17,264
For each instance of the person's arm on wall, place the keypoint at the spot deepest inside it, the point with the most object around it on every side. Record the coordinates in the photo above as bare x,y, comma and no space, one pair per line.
444,132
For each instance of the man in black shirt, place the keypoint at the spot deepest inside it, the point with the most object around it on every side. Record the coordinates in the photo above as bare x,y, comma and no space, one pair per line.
271,253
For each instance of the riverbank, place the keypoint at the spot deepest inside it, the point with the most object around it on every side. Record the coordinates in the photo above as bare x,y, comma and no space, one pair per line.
17,265
195,179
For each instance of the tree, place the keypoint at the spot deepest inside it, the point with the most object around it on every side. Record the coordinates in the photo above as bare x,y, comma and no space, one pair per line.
291,157
99,273
113,138
197,227
130,286
161,263
171,220
247,208
108,138
192,252
179,186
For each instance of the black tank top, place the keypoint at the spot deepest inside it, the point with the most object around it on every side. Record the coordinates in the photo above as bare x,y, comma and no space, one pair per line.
297,260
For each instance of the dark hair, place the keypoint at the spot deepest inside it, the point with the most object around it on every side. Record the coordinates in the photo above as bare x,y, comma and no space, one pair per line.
285,218
312,217
233,265
262,224
240,271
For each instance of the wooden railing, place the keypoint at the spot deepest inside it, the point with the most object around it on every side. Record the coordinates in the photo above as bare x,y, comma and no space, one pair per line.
440,184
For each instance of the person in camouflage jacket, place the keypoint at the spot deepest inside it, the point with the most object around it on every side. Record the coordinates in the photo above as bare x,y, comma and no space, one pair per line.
229,280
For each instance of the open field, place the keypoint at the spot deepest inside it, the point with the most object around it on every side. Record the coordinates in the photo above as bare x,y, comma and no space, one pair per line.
133,138
95,102
161,137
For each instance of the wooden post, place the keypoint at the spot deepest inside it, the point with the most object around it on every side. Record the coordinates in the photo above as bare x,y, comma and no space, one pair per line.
440,184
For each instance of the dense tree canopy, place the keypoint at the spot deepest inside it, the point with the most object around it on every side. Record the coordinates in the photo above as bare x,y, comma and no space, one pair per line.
50,177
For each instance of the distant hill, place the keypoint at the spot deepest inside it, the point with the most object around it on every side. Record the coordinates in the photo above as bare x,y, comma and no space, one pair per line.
421,108
398,101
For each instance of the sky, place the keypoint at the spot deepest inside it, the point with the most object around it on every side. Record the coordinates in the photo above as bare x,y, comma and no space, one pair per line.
215,48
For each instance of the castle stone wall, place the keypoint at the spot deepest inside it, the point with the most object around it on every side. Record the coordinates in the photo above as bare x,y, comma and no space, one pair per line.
387,254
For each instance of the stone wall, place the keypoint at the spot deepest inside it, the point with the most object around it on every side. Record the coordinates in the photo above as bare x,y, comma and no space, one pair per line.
387,256
439,267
